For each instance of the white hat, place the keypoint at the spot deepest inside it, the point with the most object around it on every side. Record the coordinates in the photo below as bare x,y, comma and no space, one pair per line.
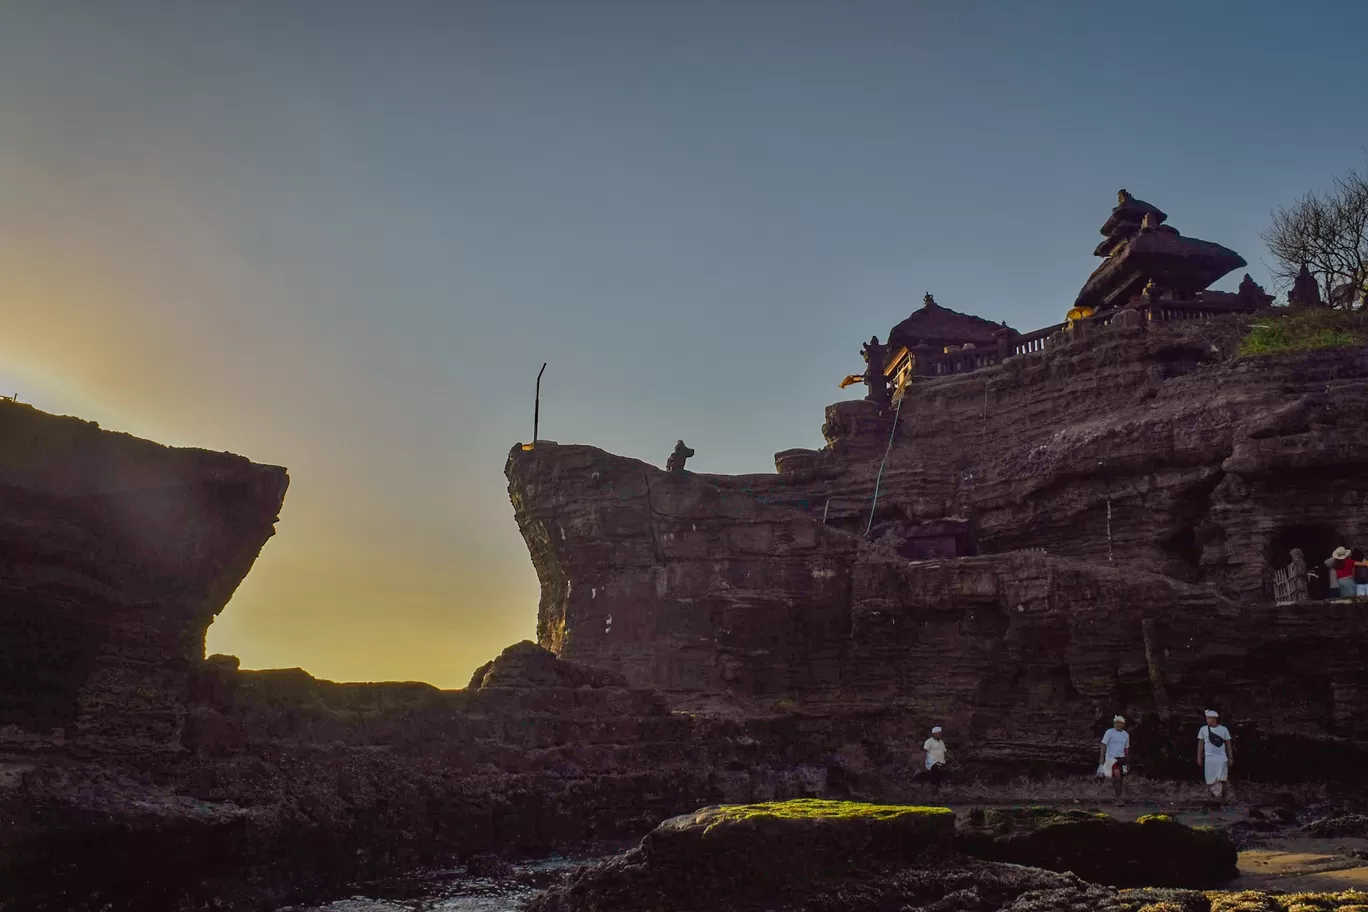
1118,718
1340,553
1212,712
935,730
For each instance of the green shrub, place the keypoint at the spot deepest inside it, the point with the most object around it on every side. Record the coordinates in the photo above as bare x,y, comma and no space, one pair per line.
1305,330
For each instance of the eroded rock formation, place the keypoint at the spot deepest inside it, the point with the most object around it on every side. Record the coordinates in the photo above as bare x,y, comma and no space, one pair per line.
1163,479
115,555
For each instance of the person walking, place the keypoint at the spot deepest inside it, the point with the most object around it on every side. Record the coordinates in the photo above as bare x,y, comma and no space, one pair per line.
1215,753
1115,750
934,748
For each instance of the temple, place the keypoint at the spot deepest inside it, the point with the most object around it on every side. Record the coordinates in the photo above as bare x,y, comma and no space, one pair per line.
1148,268
1140,251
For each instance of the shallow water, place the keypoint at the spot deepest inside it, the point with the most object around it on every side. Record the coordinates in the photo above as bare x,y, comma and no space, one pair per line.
454,891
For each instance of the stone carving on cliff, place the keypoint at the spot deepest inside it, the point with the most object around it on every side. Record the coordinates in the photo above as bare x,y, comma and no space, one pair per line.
674,464
875,355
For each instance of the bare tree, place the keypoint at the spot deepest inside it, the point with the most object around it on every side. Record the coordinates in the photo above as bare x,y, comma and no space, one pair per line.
1329,235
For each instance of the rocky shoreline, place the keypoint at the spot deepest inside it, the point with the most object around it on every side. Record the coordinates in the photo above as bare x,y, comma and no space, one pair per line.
703,640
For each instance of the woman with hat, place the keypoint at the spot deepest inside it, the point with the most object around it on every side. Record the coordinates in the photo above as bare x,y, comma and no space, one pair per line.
1341,564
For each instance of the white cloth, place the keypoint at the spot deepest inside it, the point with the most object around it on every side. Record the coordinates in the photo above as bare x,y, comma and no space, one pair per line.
1105,770
1216,769
1117,742
1212,751
935,752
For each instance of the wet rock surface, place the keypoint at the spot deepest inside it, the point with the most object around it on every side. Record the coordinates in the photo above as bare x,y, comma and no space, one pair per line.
839,856
1152,851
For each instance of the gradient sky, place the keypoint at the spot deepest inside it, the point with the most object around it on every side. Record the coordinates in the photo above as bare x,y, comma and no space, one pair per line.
342,237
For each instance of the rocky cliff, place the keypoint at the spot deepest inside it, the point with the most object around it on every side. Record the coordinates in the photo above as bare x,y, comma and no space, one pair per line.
1158,477
137,774
115,555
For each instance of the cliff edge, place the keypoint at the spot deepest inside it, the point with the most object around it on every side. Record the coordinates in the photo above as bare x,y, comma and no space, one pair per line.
117,554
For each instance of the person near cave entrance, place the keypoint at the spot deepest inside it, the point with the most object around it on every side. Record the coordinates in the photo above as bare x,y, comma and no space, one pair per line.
1115,750
1360,573
934,748
1341,564
1215,753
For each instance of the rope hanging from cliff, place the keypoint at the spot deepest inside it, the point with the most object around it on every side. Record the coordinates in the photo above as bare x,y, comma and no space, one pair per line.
879,477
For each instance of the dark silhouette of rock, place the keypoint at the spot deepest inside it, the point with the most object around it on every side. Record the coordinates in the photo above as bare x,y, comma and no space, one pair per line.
775,856
676,460
1154,851
117,554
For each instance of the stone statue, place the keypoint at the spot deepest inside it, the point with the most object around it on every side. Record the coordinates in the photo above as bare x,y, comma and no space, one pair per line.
875,355
1299,576
675,464
928,301
1252,294
1305,290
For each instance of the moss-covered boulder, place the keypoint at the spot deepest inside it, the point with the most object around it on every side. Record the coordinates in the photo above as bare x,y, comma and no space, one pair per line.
759,842
1153,851
730,855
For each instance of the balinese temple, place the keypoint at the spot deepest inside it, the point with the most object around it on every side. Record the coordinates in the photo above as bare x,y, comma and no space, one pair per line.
940,330
1142,252
1147,267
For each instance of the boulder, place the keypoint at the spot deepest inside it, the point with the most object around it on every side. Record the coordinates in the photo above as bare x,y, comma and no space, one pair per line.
796,854
1152,851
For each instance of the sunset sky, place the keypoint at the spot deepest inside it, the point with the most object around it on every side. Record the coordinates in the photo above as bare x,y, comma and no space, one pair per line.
342,237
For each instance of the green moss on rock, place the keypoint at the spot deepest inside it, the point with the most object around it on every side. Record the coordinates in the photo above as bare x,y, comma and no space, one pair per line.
821,809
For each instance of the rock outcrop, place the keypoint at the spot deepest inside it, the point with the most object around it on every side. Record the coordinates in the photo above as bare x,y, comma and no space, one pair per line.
117,553
1162,478
854,857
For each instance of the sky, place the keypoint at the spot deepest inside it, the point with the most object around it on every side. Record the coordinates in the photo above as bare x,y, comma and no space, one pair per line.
342,237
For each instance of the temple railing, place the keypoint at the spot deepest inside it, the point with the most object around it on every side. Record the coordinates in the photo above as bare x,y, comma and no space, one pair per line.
927,362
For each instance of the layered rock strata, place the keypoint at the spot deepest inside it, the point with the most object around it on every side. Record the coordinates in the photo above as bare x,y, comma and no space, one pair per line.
1158,479
117,553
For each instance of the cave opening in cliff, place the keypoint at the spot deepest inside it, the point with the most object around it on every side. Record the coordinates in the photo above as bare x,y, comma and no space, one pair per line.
1316,540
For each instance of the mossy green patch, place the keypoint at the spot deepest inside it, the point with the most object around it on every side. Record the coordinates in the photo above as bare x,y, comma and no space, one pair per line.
821,809
1154,818
1305,330
1251,901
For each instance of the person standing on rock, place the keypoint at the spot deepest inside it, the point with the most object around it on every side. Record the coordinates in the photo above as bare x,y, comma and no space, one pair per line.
1215,754
1115,750
935,754
1341,566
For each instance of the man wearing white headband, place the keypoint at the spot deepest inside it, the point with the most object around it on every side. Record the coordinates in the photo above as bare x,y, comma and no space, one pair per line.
935,753
1115,749
1215,753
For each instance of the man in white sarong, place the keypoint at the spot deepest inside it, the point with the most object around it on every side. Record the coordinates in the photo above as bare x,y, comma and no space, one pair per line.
1115,749
1215,753
934,748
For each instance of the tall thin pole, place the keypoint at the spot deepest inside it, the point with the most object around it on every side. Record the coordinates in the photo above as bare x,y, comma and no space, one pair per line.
878,478
536,408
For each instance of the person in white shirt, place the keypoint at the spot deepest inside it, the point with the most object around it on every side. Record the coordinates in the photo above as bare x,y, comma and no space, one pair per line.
1115,749
935,753
1215,753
